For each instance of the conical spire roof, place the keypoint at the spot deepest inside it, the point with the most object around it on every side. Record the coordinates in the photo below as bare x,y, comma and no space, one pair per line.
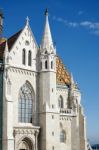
47,37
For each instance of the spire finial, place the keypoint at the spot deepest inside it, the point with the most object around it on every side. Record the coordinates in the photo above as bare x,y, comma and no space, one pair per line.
46,12
27,20
47,42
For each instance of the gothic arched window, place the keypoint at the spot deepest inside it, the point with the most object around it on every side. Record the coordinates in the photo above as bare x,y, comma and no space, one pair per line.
62,136
29,58
23,56
25,104
46,64
51,64
60,102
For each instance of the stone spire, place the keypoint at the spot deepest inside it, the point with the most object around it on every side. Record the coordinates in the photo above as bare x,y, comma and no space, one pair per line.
27,20
1,23
47,42
73,84
72,79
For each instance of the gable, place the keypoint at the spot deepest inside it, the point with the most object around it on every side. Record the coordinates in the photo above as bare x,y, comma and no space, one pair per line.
26,42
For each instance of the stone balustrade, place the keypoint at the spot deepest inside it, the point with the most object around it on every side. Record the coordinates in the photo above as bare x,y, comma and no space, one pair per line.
67,112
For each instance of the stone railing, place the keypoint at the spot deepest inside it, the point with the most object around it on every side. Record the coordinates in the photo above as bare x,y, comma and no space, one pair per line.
67,112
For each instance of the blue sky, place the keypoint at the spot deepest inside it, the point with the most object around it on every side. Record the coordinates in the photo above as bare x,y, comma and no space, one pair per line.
75,29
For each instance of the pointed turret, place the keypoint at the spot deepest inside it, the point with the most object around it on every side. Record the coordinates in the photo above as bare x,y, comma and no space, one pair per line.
27,20
74,91
6,53
73,84
72,79
47,42
1,23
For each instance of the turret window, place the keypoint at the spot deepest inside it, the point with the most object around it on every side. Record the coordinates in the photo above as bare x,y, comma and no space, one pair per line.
24,57
46,64
60,102
51,64
62,136
29,58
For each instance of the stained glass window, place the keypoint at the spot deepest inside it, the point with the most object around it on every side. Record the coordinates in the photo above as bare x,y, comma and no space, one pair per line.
25,105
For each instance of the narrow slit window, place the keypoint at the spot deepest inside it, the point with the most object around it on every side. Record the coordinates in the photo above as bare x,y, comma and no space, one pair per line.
23,57
29,58
46,64
51,64
62,136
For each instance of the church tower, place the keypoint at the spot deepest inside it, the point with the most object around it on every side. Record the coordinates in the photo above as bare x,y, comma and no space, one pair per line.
48,112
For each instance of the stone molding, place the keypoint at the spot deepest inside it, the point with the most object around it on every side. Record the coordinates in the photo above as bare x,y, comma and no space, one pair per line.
26,130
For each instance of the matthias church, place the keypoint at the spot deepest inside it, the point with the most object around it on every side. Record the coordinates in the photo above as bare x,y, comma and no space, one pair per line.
40,104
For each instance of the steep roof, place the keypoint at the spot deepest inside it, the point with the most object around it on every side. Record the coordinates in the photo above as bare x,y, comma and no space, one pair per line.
62,75
47,41
10,42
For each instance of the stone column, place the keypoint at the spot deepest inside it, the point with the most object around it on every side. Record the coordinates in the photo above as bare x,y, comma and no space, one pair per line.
8,140
36,140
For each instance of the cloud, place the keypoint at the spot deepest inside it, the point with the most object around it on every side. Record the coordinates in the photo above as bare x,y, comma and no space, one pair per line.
96,32
90,25
65,22
73,24
93,27
80,12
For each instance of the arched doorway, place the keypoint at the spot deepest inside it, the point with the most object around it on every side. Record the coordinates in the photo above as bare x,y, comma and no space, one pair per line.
25,144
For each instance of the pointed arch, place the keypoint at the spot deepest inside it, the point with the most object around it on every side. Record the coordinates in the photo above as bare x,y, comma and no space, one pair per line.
63,136
25,143
60,102
26,103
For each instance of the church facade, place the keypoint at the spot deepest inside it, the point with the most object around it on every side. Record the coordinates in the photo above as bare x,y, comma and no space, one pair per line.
40,104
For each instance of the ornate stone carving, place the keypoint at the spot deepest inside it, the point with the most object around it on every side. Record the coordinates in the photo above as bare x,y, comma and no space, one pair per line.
26,131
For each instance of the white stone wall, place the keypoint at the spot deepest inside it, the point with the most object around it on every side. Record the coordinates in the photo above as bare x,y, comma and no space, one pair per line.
16,75
62,91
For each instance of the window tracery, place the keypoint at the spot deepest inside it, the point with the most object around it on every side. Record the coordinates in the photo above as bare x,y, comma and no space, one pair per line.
25,104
